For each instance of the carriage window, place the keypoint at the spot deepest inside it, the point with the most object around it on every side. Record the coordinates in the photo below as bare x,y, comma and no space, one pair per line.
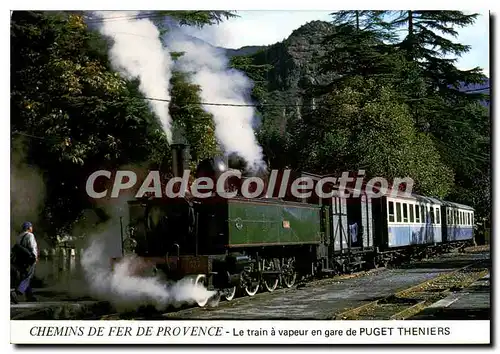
405,212
432,215
417,213
438,216
455,218
412,219
448,216
398,212
468,218
423,214
391,211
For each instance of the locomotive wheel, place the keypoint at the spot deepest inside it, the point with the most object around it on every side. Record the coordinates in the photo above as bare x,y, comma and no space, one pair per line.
250,286
228,293
288,274
270,281
249,281
202,280
251,289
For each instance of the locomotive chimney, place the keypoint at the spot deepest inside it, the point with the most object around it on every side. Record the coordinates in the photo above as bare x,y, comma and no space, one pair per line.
180,159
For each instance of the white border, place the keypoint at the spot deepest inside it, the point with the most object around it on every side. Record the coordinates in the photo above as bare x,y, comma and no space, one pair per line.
242,332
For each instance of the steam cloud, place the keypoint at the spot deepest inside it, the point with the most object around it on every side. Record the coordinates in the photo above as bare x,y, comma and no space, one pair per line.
120,285
27,188
127,291
137,52
220,84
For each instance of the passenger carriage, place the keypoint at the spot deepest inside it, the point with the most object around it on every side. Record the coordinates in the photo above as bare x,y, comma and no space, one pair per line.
459,224
414,220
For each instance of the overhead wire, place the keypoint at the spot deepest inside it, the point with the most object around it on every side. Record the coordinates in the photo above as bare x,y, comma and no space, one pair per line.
89,19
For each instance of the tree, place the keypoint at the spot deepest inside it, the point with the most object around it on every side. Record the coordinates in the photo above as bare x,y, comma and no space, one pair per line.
425,45
79,116
82,115
363,127
197,18
432,84
358,47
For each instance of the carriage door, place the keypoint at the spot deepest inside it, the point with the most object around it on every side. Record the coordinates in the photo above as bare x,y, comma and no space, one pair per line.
367,221
339,224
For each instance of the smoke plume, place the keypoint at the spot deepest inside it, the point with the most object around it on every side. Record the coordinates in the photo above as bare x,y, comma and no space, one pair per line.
137,52
219,84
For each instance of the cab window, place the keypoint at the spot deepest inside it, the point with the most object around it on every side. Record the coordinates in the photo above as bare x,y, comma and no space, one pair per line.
391,212
398,212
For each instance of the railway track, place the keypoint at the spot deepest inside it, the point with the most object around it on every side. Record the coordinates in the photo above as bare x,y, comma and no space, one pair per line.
301,284
399,301
408,302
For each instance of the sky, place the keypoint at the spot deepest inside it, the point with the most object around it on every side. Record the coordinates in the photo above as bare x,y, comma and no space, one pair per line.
268,27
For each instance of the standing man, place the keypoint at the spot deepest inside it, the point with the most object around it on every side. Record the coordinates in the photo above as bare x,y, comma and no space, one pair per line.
26,264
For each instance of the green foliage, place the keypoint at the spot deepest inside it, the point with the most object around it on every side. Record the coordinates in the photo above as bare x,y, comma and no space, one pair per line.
426,45
354,52
199,18
364,127
87,117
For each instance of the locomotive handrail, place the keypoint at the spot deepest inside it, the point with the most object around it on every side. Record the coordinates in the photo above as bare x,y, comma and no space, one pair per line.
176,245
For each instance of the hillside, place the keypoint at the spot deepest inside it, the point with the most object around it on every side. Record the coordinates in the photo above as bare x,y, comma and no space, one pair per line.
247,50
292,69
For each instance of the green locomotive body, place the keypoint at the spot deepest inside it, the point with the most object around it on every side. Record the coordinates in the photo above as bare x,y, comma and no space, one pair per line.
231,242
254,223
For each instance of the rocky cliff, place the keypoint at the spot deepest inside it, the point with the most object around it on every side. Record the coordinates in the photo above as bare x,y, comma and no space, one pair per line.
293,68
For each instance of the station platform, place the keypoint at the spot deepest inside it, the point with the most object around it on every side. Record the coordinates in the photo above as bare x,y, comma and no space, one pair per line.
52,303
471,303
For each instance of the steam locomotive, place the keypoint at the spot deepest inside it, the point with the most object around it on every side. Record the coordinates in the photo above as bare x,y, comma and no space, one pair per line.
240,245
